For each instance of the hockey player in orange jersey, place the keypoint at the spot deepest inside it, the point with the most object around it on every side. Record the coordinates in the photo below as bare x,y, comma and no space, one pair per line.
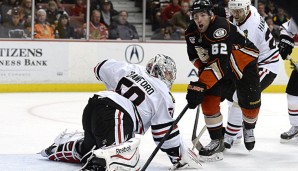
222,54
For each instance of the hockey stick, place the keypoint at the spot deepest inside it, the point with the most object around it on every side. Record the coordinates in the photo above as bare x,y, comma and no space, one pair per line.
194,132
292,62
164,138
195,140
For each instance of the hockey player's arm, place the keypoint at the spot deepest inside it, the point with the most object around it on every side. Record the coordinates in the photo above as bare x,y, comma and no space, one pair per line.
286,43
110,72
179,155
194,58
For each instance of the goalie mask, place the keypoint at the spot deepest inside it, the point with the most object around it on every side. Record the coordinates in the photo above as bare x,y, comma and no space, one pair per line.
239,9
162,67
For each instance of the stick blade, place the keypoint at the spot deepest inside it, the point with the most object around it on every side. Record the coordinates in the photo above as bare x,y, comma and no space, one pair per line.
197,144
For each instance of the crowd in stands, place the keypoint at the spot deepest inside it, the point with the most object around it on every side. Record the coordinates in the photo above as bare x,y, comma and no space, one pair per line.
170,18
67,19
64,19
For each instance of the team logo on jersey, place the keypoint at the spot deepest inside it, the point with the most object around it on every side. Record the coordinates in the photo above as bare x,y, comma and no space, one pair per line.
192,40
220,33
134,54
245,33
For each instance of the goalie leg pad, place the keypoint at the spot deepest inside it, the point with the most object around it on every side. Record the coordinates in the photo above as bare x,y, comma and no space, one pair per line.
123,157
64,147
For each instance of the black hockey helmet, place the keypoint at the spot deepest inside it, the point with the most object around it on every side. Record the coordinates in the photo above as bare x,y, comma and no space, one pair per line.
201,6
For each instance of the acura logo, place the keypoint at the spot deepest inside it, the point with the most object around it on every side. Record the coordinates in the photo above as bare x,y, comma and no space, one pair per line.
134,54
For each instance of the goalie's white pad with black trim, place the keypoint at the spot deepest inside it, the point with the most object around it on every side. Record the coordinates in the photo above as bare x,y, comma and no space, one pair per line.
123,157
63,148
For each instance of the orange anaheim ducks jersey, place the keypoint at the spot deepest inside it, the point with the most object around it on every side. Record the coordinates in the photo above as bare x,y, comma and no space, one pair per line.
223,50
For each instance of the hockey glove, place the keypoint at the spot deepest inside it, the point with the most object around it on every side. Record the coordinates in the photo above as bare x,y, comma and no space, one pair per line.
188,159
195,94
285,46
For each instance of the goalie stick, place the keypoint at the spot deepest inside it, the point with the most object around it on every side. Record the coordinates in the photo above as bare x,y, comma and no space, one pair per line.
164,138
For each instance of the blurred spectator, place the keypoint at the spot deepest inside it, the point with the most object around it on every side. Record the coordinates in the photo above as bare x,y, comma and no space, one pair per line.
28,26
53,13
270,8
95,4
58,2
26,10
156,8
14,28
273,28
67,1
224,4
64,30
181,19
42,30
6,9
169,10
121,29
79,9
108,13
98,30
280,17
261,10
165,33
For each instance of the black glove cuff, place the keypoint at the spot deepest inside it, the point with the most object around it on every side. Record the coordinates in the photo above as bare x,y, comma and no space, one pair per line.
197,86
287,40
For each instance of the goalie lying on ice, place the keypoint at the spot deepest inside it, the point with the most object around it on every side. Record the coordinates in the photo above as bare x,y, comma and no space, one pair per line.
110,122
108,143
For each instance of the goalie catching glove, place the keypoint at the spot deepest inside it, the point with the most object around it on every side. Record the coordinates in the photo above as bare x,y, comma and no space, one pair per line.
195,94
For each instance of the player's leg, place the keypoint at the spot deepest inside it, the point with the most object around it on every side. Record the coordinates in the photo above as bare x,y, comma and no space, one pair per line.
234,125
213,119
249,99
68,146
292,99
110,127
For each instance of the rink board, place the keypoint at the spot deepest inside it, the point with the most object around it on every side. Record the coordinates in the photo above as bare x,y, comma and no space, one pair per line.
37,66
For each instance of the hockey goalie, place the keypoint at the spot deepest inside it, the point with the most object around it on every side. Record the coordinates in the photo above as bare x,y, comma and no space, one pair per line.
139,99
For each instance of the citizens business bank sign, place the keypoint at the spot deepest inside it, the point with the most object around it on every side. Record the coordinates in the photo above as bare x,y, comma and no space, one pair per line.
22,62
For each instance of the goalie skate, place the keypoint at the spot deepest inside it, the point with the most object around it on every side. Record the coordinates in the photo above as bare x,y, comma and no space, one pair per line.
213,151
290,136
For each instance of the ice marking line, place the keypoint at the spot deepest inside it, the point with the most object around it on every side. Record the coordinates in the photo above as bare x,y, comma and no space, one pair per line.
31,112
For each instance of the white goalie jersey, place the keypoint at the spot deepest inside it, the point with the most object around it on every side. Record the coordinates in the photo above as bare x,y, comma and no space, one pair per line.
289,28
155,104
257,31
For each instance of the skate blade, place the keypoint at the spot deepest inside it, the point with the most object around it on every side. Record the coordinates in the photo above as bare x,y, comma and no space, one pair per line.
213,158
292,140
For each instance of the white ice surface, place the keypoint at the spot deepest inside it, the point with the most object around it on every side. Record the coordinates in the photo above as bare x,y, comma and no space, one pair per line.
30,122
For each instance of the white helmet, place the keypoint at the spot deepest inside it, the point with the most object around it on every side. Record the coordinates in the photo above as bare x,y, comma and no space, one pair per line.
239,4
162,67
